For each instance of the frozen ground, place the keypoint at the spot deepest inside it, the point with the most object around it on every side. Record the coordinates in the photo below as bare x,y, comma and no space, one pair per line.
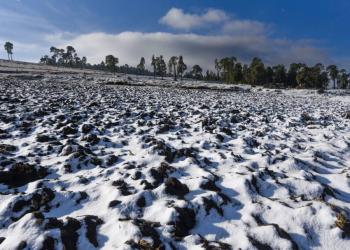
91,161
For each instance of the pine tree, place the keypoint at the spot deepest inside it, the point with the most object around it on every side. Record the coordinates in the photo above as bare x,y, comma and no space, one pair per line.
9,49
257,72
141,65
333,73
111,63
172,64
343,79
154,65
181,67
197,72
237,73
279,75
161,66
227,64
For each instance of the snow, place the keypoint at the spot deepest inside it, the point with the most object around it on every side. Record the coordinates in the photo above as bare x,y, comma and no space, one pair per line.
262,167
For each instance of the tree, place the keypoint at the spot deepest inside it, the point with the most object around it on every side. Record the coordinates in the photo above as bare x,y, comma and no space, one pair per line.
312,77
9,49
333,73
227,65
237,73
76,60
197,72
181,67
292,75
172,64
46,60
55,53
154,64
343,79
69,55
161,66
256,72
279,75
323,80
320,76
111,63
218,68
246,73
141,65
210,76
83,61
269,75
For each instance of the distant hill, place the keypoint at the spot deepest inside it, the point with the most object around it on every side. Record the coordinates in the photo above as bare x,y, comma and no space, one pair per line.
14,67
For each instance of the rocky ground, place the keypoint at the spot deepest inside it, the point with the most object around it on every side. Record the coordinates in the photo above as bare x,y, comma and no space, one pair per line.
85,165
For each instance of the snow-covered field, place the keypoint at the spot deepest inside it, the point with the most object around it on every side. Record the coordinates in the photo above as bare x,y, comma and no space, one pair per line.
126,165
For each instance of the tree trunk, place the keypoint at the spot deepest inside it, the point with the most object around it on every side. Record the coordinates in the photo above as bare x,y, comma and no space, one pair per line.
334,83
175,73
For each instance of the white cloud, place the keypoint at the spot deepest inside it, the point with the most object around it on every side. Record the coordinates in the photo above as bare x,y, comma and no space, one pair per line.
196,49
245,27
178,19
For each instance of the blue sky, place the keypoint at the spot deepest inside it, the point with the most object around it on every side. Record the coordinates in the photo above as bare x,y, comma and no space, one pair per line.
279,31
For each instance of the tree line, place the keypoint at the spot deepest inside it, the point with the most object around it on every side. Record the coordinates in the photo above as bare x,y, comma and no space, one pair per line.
298,75
227,69
64,57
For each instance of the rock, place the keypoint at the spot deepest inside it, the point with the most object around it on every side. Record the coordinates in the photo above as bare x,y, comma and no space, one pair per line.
2,239
305,117
41,198
21,245
122,186
347,114
251,142
137,175
210,204
210,185
86,128
69,235
92,222
259,245
185,221
53,223
114,203
343,223
92,138
44,138
174,187
6,149
220,137
160,173
48,243
19,205
111,160
21,174
141,202
82,196
69,130
214,245
147,229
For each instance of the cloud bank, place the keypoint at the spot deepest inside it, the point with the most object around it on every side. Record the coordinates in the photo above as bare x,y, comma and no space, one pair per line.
196,49
178,19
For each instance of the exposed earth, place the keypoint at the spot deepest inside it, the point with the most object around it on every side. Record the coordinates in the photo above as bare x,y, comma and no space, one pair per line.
90,160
